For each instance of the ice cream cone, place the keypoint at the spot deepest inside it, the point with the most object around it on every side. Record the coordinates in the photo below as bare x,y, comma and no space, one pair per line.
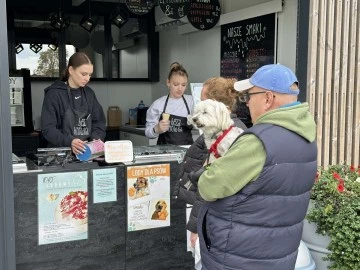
166,116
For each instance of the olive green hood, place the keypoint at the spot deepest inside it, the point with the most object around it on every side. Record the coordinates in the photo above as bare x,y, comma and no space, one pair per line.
296,118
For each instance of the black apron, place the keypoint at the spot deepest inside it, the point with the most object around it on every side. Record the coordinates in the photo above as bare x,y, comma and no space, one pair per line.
179,132
78,121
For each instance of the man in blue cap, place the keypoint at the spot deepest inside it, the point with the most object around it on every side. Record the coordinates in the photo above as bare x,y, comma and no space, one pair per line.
259,191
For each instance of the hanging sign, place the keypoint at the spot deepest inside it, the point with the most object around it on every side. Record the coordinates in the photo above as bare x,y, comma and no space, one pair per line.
139,7
175,9
204,14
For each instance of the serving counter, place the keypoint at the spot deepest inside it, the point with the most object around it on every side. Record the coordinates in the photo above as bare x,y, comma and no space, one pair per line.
120,231
136,134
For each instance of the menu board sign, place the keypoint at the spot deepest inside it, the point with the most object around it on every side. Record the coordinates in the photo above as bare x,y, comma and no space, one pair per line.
175,9
204,14
247,45
139,7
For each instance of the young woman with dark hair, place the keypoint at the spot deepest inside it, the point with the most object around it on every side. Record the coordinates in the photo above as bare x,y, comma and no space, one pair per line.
71,114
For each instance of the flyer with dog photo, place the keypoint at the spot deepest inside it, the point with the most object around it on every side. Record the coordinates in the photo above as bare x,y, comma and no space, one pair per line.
148,194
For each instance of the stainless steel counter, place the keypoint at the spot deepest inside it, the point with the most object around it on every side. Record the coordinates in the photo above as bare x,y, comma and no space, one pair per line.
136,134
139,130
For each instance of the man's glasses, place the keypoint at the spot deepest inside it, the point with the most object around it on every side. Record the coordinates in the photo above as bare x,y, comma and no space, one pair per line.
245,97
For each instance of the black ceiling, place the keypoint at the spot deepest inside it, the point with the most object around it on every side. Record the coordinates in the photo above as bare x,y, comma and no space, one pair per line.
27,9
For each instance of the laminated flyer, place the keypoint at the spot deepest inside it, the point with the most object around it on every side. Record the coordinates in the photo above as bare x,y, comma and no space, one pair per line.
62,207
148,193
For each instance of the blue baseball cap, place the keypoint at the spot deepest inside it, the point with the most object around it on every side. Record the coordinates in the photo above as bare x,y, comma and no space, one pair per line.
274,77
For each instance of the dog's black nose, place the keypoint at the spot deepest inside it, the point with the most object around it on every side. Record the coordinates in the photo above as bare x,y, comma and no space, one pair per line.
195,119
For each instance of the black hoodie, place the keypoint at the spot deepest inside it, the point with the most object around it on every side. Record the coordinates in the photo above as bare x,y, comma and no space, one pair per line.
56,102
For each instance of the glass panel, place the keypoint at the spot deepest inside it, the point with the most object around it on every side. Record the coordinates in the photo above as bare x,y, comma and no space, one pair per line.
70,50
45,63
129,51
129,42
92,43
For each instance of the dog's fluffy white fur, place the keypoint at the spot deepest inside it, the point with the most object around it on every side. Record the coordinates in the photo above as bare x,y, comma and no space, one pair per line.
213,118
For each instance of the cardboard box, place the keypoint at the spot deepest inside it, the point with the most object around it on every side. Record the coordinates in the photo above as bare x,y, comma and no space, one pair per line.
114,116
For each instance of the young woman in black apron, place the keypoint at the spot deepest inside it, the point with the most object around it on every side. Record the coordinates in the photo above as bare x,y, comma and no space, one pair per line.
71,114
179,132
176,129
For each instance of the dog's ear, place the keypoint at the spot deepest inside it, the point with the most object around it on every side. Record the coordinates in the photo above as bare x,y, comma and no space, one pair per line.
225,117
190,119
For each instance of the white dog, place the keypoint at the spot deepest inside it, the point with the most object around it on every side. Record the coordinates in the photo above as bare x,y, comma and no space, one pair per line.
213,118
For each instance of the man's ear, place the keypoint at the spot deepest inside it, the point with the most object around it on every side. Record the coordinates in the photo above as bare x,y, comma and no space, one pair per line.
269,100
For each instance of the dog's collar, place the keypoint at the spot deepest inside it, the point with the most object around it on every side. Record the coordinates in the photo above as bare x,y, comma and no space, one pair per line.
213,147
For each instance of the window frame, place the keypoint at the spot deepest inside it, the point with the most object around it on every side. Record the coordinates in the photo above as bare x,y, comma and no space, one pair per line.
30,35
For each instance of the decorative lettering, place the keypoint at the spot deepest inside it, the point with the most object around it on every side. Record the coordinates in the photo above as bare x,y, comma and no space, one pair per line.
246,45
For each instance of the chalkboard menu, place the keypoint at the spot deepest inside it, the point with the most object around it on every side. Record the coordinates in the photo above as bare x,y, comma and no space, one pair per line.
139,7
204,14
247,45
175,9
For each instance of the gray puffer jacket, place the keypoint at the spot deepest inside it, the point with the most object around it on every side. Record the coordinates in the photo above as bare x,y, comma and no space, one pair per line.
184,189
260,226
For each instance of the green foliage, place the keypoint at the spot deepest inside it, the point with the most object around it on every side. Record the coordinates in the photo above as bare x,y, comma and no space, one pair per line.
336,211
48,64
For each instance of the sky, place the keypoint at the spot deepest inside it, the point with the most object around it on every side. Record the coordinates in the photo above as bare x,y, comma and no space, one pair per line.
27,59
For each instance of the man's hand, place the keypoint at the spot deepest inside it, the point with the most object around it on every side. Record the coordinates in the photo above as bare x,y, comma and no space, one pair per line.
195,175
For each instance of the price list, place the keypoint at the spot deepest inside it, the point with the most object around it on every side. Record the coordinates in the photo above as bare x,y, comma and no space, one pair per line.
247,45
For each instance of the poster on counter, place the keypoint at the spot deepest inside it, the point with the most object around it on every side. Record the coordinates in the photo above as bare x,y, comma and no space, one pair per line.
104,185
148,194
62,207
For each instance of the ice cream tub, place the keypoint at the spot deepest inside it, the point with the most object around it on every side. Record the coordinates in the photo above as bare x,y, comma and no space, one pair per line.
93,150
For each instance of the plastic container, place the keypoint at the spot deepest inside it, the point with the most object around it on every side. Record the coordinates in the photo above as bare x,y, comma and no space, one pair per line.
133,116
141,105
93,150
316,243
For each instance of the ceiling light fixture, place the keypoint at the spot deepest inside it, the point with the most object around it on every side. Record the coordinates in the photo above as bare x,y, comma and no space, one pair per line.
19,48
119,17
59,21
53,45
88,22
35,47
